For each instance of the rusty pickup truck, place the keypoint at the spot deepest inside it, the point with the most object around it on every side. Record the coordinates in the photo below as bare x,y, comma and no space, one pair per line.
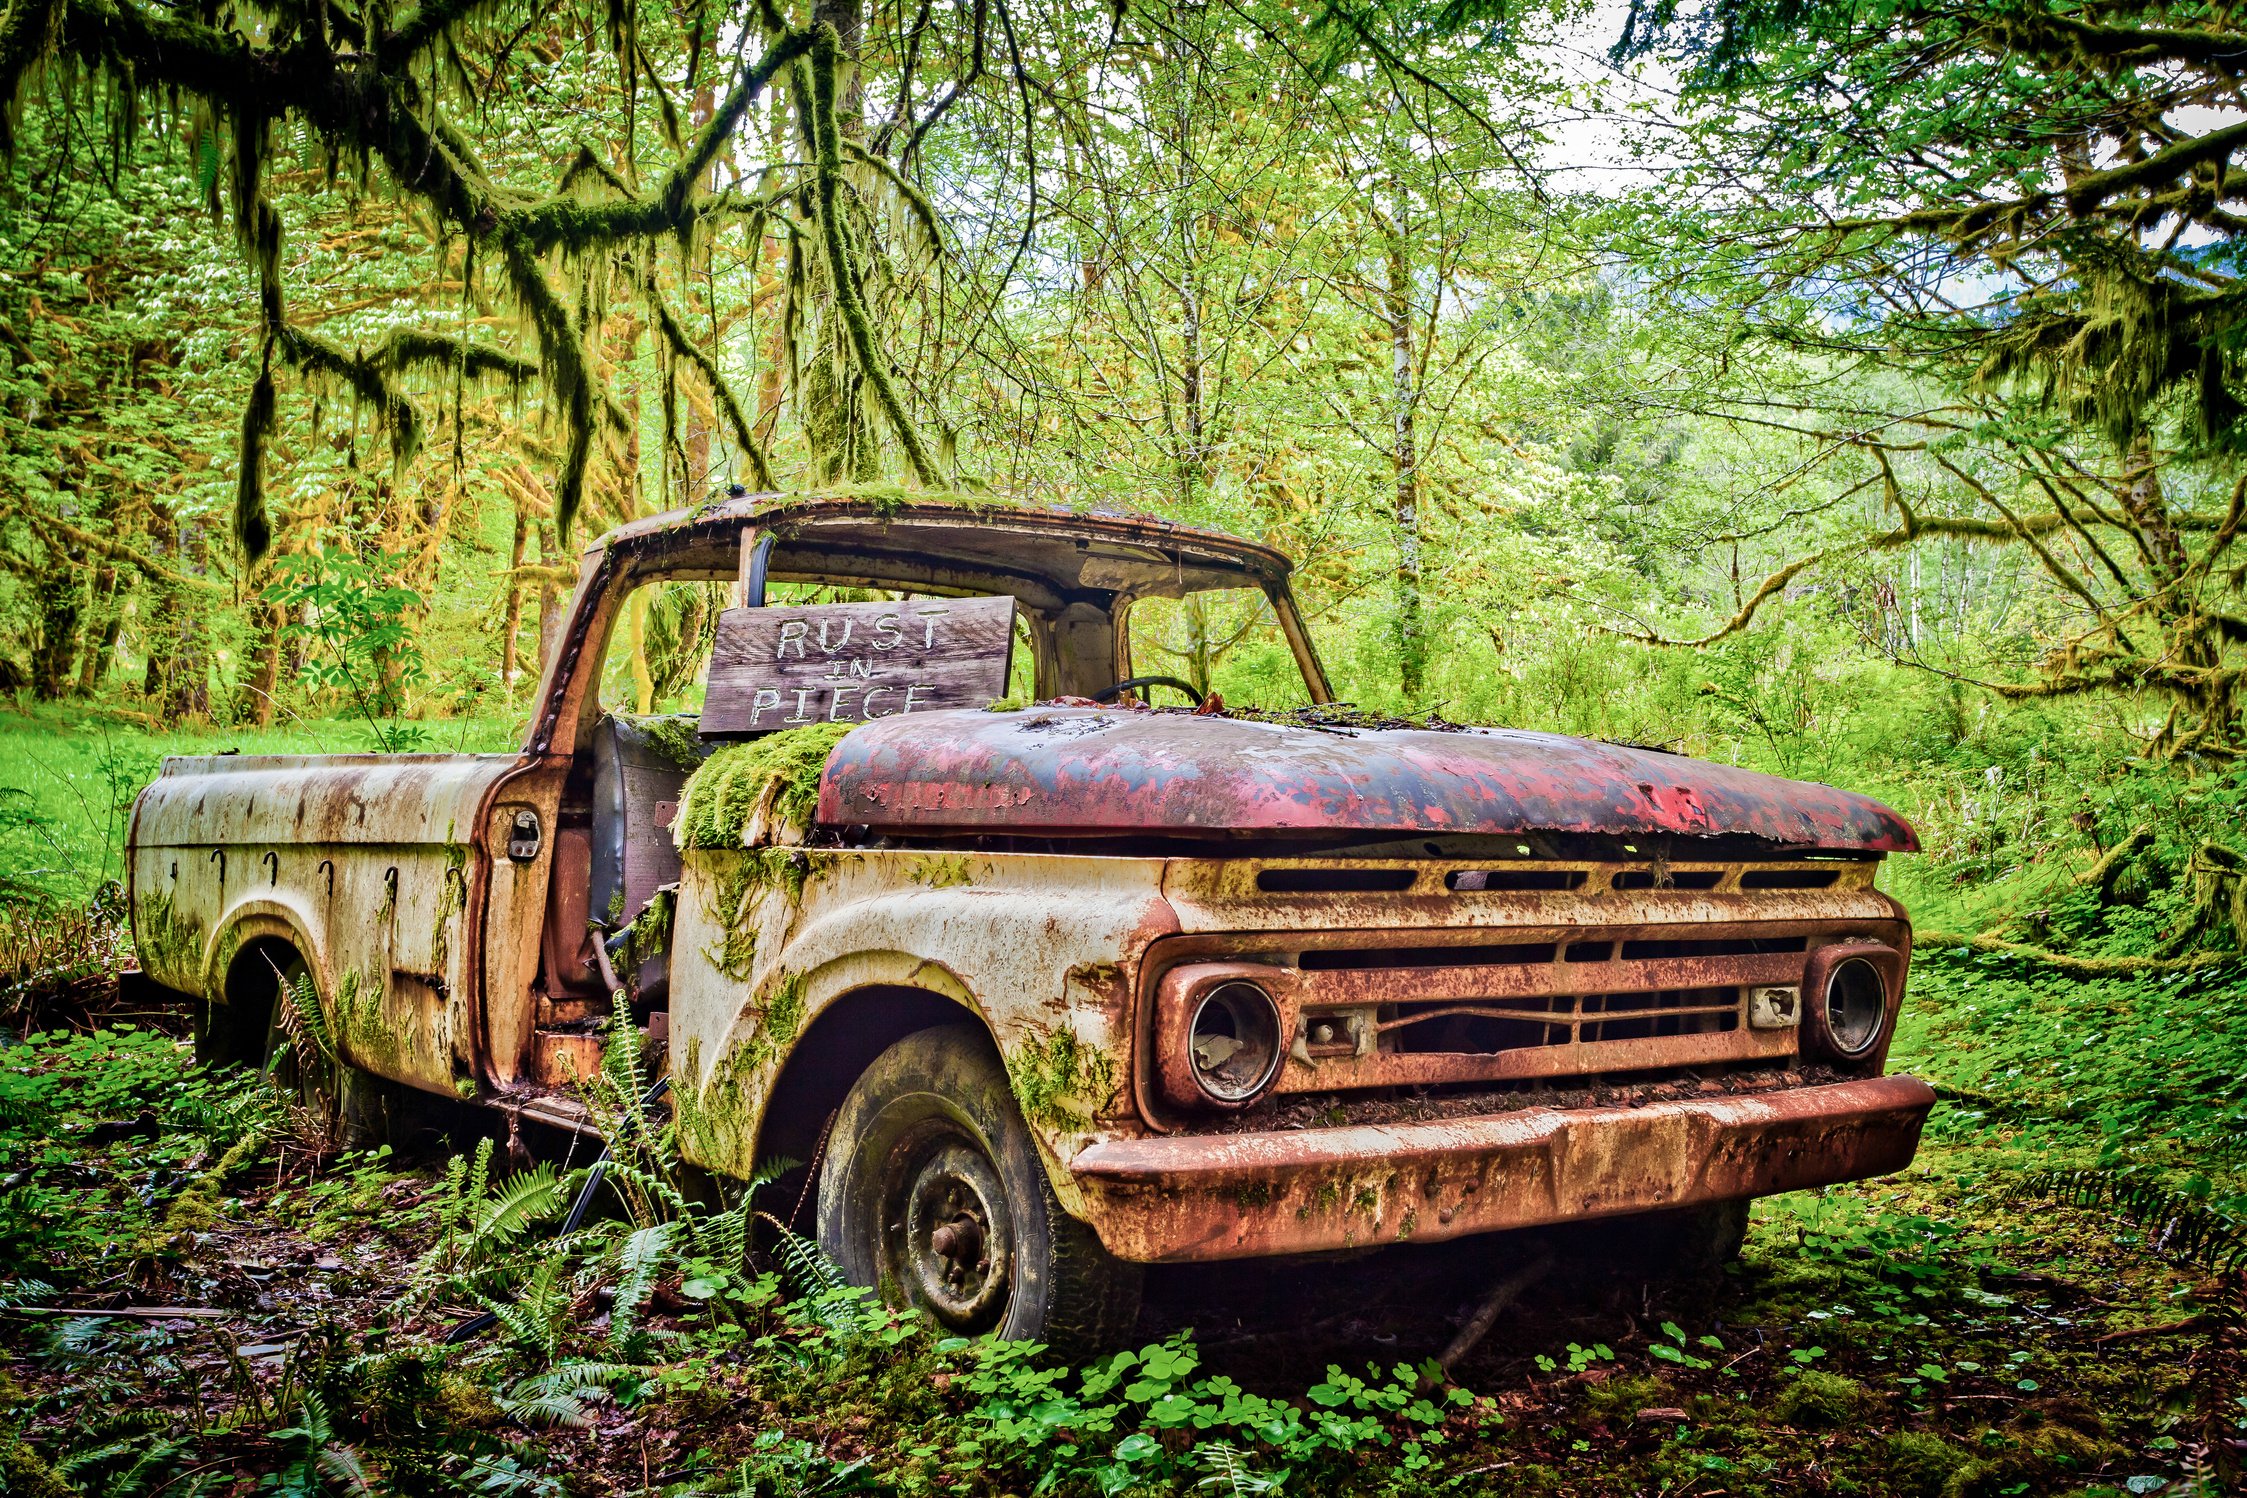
1046,991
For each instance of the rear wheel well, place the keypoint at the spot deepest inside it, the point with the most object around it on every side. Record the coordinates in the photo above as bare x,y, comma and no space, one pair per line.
826,1059
233,1033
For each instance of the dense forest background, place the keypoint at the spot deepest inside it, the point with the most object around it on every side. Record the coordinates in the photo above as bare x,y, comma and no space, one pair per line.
1845,391
1712,382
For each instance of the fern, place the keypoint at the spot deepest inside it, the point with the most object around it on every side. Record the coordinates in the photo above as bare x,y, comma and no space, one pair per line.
2182,1226
21,1103
559,1396
512,1210
317,1458
805,1265
1231,1474
76,1341
534,1318
647,1252
157,1462
305,1022
464,1184
24,1292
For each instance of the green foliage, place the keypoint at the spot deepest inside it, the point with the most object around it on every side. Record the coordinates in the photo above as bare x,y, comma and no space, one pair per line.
354,634
1144,1418
68,1201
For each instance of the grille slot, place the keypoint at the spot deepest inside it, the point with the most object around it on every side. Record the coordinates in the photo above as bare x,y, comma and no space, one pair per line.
1360,959
1470,880
1789,878
1335,881
1637,951
1679,879
1484,1027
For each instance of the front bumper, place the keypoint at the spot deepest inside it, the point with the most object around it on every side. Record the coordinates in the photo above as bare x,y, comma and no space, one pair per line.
1187,1198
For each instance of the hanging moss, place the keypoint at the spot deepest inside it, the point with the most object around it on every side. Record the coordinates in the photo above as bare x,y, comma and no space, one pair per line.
251,527
674,736
719,798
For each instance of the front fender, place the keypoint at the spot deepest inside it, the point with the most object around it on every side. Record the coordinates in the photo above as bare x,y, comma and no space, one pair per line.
1038,947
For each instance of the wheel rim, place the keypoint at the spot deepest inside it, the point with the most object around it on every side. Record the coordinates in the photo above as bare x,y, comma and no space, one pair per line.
948,1238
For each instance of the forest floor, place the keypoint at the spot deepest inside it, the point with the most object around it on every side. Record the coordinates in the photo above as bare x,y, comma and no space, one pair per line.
198,1294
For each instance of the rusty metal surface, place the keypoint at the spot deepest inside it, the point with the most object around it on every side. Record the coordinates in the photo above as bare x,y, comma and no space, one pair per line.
843,523
1114,771
1226,895
1405,963
1203,1197
1042,948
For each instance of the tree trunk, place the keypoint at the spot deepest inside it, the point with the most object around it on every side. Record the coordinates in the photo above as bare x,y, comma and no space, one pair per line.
1412,641
2148,510
101,641
60,595
270,620
510,665
848,17
549,607
1194,459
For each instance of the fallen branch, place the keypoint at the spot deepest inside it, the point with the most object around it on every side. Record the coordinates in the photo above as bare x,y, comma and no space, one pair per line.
1502,1295
2165,1329
2076,967
2101,875
138,1313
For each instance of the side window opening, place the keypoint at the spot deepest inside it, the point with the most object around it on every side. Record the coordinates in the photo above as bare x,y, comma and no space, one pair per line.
659,655
645,743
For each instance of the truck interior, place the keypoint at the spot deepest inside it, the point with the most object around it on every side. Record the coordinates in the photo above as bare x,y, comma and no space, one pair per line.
1109,607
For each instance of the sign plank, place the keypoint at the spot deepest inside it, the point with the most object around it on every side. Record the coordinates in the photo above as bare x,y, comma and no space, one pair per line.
784,667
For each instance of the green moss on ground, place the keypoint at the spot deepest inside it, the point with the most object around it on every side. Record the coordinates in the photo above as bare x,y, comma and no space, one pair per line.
720,797
1817,1400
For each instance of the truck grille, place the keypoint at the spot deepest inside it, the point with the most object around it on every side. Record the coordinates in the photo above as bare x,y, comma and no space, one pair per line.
1562,1019
1637,1000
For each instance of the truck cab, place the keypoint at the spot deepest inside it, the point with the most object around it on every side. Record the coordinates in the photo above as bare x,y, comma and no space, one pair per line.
1107,973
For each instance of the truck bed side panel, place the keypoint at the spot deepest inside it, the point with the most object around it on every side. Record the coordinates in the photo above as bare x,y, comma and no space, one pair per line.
362,861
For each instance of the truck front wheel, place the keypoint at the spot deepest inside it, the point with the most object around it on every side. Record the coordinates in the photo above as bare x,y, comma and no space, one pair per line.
933,1193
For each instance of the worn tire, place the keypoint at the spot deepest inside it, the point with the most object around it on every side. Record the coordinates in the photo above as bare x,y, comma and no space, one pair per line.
1687,1243
933,1192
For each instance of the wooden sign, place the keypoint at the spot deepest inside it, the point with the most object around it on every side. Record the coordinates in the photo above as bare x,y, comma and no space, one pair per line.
784,667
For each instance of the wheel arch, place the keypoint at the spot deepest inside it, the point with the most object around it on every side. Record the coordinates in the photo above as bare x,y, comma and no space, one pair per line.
241,979
829,1056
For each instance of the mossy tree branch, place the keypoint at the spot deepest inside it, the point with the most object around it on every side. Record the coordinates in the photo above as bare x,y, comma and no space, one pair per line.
381,101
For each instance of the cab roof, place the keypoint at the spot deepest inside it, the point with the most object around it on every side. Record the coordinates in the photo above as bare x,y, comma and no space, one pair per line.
956,543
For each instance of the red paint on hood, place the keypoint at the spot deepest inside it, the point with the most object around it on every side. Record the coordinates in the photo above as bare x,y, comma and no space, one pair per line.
1110,771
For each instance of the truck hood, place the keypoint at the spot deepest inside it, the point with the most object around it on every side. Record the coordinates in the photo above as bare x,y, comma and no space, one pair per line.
1079,771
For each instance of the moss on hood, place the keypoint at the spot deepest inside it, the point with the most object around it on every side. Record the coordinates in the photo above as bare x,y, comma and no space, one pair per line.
721,796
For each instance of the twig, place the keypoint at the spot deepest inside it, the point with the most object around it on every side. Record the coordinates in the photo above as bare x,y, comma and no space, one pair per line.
2166,1329
140,1313
1502,1295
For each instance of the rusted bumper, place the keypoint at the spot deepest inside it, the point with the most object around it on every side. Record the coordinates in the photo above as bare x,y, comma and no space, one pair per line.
1186,1198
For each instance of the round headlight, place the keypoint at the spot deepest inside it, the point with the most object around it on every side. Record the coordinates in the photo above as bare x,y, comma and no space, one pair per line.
1856,1007
1234,1042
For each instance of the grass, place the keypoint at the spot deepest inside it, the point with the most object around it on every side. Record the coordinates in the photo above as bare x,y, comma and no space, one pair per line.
68,776
1933,1334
